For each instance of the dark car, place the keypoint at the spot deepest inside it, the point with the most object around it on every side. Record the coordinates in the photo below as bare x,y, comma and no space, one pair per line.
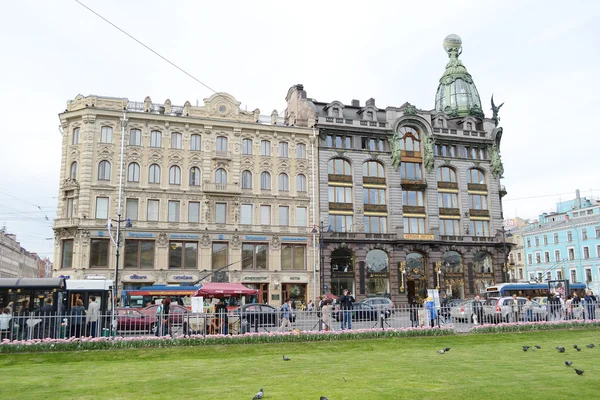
130,319
263,314
361,312
176,312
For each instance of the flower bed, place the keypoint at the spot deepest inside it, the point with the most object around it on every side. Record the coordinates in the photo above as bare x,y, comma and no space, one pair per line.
535,326
100,343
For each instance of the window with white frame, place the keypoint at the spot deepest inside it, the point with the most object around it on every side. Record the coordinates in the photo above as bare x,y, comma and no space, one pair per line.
174,212
101,207
528,242
194,212
154,173
133,172
265,181
284,216
221,176
586,252
265,215
284,182
556,255
569,236
537,241
176,140
155,139
283,149
529,259
301,183
221,213
246,217
583,233
538,258
545,240
571,253
222,144
195,143
301,216
73,174
556,238
559,275
104,171
75,136
135,137
597,232
194,176
106,134
153,210
546,257
247,147
598,250
588,275
131,209
300,150
265,148
573,276
246,180
175,175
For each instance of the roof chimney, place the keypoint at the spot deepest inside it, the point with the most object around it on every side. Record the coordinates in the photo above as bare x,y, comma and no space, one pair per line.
371,102
577,199
355,103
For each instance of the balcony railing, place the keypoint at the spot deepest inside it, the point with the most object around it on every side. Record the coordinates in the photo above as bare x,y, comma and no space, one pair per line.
221,155
221,187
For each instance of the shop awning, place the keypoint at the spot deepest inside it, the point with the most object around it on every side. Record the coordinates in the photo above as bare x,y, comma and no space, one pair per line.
214,289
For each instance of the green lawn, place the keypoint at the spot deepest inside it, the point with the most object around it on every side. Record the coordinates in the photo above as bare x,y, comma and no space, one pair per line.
478,367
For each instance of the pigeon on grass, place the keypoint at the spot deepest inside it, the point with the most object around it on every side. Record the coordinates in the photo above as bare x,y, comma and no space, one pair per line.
323,398
568,363
538,346
590,346
578,348
579,371
525,348
560,349
286,358
259,395
447,349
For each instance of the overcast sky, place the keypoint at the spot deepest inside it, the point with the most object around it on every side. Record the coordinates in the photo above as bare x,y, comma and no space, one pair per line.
540,57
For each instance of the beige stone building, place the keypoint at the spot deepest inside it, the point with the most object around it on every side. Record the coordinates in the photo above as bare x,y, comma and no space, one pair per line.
209,191
15,261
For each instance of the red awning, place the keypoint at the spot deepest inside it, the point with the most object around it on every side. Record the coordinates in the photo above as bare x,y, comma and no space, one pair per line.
219,290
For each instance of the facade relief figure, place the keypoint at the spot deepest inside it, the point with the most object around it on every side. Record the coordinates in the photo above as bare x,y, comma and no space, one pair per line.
495,111
205,209
428,157
396,152
496,162
236,211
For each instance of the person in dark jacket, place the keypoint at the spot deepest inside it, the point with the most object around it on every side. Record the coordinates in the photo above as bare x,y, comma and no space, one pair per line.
76,320
590,305
221,313
47,315
346,305
21,320
413,312
164,327
478,310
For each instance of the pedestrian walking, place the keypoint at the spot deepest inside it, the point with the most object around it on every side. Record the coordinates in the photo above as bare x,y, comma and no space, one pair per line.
5,319
477,311
515,308
577,307
528,309
286,309
346,305
93,314
21,320
430,307
326,315
48,319
76,320
590,305
413,312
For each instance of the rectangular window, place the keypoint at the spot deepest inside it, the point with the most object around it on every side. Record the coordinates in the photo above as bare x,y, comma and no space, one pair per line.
480,228
300,151
255,256
414,225
139,254
528,242
598,250
545,240
247,147
75,136
519,257
449,227
569,236
329,141
538,258
195,143
478,202
135,137
537,241
340,194
220,252
583,234
555,238
222,144
571,253
586,252
176,140
597,232
101,207
573,276
340,223
246,218
412,198
153,210
265,148
293,257
131,209
588,275
556,255
559,275
173,211
546,257
373,196
106,134
284,216
410,171
99,253
194,212
375,224
448,200
183,255
155,139
67,254
70,206
529,259
265,215
221,213
283,150
301,216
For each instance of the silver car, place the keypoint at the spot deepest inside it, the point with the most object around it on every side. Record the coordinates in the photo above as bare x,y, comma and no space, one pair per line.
500,309
380,303
462,312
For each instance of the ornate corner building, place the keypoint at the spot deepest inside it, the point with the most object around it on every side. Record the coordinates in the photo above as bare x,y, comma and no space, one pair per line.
209,193
409,199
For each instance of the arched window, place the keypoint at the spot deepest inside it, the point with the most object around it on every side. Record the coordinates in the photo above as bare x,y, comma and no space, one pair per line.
301,183
300,150
246,180
135,137
446,174
221,176
221,143
154,173
176,141
370,115
104,171
410,140
265,148
483,262
377,273
155,139
415,276
75,136
342,262
195,143
73,174
284,182
106,134
373,169
133,172
338,166
475,176
265,181
175,175
247,147
194,176
283,149
452,263
335,112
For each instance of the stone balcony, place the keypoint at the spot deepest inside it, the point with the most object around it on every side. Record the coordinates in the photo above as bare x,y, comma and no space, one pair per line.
222,188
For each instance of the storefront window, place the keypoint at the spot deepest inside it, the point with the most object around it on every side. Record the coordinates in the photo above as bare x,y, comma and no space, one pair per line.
338,285
416,280
378,283
452,275
342,262
483,262
295,292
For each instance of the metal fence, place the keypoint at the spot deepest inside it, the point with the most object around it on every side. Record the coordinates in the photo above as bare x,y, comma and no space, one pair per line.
131,322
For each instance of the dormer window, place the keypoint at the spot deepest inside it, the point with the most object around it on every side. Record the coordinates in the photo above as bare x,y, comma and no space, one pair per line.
469,126
441,122
370,115
335,112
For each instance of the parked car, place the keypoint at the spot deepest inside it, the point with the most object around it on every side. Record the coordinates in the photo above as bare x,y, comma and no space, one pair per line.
542,300
176,312
360,312
380,303
500,309
130,319
264,314
463,311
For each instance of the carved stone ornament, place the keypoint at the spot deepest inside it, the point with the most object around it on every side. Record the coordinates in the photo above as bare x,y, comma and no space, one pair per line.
205,240
275,242
410,110
163,239
235,241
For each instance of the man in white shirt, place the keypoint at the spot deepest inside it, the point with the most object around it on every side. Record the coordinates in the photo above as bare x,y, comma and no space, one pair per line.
5,318
93,314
